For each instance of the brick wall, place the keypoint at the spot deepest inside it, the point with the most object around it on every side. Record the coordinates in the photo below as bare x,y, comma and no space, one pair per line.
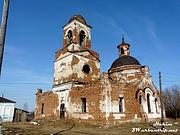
49,109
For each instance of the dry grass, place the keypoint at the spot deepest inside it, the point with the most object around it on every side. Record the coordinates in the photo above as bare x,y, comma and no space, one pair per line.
69,127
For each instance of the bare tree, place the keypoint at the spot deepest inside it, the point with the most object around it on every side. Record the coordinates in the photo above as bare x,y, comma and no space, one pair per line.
171,99
3,30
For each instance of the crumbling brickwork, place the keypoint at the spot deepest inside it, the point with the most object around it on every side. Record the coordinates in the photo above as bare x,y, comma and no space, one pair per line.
125,93
46,105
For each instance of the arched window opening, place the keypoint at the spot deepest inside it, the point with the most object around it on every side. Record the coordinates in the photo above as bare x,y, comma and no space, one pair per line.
62,110
140,103
82,38
122,51
148,103
69,35
42,108
86,69
83,105
120,104
140,99
156,105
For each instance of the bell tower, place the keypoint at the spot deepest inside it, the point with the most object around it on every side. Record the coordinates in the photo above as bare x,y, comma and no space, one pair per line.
76,61
77,31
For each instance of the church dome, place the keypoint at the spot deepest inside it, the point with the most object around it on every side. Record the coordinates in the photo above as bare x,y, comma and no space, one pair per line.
125,60
79,18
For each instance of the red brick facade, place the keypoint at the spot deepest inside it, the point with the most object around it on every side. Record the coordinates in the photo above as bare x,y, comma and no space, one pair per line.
46,105
80,91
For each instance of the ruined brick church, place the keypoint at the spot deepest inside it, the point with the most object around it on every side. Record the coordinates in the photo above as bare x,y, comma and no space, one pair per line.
125,93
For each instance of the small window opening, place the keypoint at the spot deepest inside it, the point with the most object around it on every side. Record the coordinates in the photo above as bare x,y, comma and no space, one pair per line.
42,108
122,51
83,105
82,38
69,35
140,99
121,104
62,110
86,69
148,103
156,105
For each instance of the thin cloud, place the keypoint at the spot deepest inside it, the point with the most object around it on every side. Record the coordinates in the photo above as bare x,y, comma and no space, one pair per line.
152,32
151,29
10,49
115,24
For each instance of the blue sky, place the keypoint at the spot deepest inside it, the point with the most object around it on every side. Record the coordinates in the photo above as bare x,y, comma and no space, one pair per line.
35,33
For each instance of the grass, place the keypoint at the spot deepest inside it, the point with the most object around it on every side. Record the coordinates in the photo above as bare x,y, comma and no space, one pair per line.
70,127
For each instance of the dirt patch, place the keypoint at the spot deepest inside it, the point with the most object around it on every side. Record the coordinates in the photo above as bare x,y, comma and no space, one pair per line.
70,127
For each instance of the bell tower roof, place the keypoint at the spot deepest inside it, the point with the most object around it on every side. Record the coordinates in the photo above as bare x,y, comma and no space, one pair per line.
77,17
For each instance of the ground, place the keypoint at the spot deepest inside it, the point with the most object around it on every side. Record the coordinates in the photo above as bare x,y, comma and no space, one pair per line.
70,127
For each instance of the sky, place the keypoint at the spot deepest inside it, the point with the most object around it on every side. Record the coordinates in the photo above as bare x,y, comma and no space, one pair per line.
35,33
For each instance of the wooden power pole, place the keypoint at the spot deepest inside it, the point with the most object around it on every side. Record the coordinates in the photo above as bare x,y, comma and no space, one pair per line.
161,98
3,30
